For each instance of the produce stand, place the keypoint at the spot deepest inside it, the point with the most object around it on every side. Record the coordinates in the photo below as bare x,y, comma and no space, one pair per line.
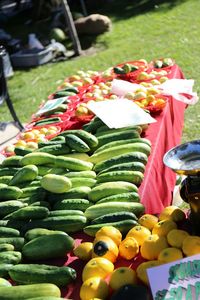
157,186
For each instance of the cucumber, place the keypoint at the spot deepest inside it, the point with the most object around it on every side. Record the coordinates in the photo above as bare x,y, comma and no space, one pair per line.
60,94
17,242
57,245
42,204
7,207
12,161
72,204
39,194
122,226
8,232
47,298
35,273
116,136
52,142
104,130
44,170
93,125
79,192
26,173
132,166
68,224
123,142
47,121
56,183
114,217
12,224
111,188
57,139
101,209
24,292
79,181
6,179
119,159
21,151
119,150
10,257
65,212
8,171
85,174
6,247
9,192
87,137
29,191
123,197
73,164
30,212
75,143
4,268
57,149
135,177
37,232
37,158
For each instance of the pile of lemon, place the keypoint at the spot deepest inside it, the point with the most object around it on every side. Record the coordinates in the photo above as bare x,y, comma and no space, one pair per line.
157,240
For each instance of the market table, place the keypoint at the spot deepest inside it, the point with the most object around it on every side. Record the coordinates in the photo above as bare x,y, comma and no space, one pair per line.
159,181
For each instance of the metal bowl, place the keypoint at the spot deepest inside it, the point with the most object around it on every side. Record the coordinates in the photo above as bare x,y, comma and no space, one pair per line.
184,159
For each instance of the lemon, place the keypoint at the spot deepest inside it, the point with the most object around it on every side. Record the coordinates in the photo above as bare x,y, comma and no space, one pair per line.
97,267
176,237
94,287
122,276
191,245
170,254
84,251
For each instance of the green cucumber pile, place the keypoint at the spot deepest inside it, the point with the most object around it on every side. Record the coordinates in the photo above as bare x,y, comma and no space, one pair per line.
80,180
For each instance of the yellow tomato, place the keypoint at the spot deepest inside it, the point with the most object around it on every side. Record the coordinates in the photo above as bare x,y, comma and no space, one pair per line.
176,237
148,221
84,251
94,287
122,276
140,233
111,232
129,248
164,227
173,213
141,270
191,245
97,267
170,254
152,246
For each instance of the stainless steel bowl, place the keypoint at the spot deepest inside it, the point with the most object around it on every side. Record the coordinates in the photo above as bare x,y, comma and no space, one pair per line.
184,159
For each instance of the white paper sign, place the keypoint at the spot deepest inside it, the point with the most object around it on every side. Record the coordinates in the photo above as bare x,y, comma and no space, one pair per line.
176,280
120,113
49,105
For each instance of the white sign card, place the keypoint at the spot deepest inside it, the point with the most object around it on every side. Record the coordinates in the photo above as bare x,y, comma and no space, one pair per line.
178,280
50,105
120,113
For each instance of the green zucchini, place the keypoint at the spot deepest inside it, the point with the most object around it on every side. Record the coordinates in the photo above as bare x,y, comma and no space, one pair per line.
8,232
4,268
37,232
131,166
85,174
30,212
26,173
73,164
9,192
7,207
37,158
47,121
65,212
80,181
75,143
87,137
57,149
78,192
8,171
17,242
12,161
6,247
6,179
72,204
10,257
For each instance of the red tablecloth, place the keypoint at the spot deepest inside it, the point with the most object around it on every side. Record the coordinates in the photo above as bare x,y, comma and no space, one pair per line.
159,181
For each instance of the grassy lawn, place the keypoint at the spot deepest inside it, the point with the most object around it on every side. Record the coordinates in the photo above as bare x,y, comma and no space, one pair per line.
148,29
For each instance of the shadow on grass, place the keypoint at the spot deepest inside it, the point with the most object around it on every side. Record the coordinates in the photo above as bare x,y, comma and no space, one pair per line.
118,9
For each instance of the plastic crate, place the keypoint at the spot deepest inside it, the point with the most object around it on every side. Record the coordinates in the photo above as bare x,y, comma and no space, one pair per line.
31,57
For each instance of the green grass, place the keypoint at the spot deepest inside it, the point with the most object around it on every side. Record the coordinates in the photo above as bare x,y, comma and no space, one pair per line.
148,29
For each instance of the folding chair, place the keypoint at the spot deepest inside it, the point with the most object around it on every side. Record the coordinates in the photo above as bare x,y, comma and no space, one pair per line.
4,95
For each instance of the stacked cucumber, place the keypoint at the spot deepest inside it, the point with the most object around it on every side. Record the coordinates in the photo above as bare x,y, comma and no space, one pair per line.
79,180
